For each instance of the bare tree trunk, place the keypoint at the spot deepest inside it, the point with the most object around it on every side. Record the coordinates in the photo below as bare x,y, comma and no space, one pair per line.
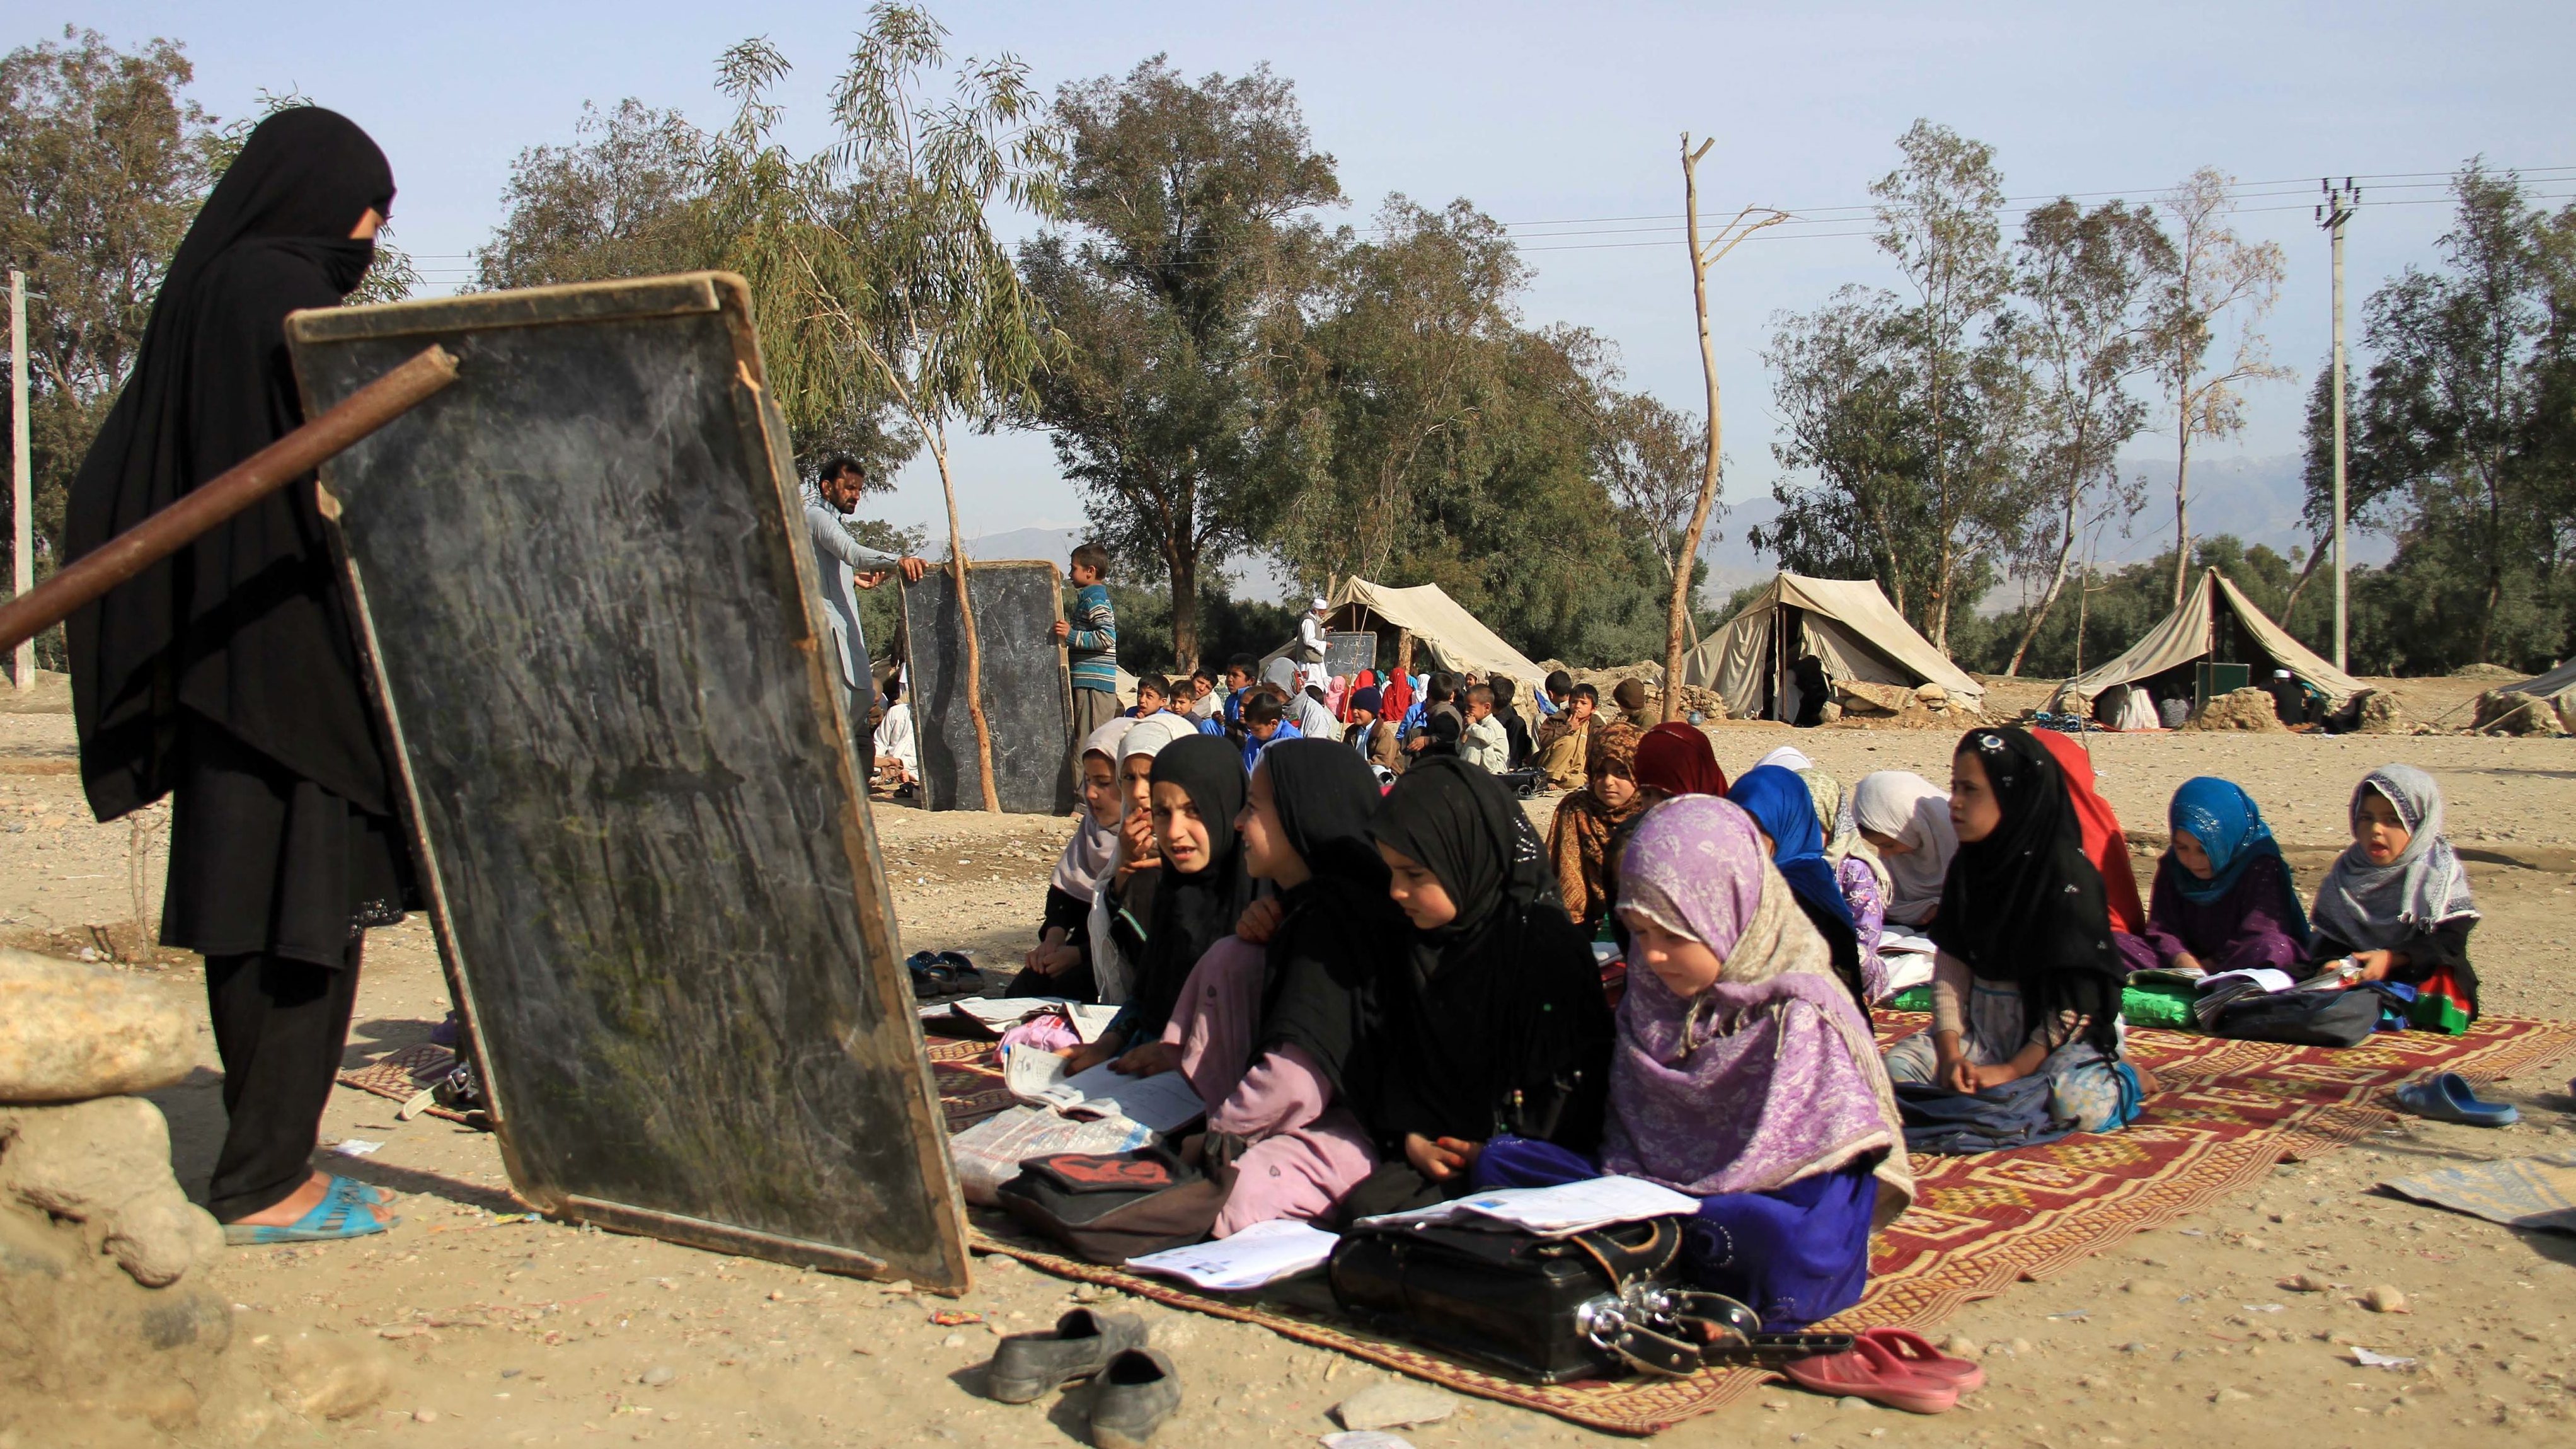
2182,505
2299,585
966,616
1184,561
1677,615
2048,600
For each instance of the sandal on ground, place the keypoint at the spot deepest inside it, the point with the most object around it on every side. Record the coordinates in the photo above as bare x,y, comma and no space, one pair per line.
343,1212
1871,1371
2447,1098
1919,1355
963,973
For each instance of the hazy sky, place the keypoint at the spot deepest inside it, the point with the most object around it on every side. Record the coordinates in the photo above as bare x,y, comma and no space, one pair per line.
1543,115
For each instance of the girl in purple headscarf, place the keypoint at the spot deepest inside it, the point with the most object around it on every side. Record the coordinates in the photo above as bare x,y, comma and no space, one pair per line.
1743,1075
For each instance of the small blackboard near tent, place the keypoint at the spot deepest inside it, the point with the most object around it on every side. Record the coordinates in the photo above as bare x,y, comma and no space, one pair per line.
588,604
1028,706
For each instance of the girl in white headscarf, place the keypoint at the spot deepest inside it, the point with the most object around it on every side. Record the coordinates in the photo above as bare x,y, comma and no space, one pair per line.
1907,819
1122,899
1060,963
2396,903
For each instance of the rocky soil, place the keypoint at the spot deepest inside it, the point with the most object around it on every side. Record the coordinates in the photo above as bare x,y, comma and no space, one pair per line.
469,1324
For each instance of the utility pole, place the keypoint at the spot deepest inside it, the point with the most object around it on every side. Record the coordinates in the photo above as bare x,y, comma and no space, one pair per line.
21,470
2332,213
1703,257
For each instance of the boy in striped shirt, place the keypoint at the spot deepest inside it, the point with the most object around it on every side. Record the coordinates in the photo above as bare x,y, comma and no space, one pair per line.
1091,645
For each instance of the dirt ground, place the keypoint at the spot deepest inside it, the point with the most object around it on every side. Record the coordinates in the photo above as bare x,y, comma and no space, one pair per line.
527,1332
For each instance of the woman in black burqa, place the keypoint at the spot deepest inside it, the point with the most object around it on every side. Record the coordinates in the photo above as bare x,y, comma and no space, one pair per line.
1492,1018
226,677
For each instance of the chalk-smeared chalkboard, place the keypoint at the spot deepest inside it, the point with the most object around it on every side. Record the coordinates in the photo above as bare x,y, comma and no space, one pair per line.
1027,703
589,605
1347,653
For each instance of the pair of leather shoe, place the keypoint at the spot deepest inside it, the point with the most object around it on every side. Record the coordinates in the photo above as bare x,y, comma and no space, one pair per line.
1134,1388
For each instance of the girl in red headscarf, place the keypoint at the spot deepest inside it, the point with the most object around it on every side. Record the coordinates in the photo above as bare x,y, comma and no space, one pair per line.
2104,844
1676,758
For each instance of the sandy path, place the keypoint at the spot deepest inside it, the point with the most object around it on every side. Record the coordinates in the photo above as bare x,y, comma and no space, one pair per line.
571,1322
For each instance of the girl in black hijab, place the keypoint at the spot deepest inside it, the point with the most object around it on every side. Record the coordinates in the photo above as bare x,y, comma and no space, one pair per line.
1198,786
1493,1018
225,675
1270,1034
2027,981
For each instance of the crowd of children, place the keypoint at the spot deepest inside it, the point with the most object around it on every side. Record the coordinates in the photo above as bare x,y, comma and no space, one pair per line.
1384,984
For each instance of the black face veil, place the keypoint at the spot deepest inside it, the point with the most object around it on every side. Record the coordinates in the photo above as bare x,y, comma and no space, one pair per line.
245,627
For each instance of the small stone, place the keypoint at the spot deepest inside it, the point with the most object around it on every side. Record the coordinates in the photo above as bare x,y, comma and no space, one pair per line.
2133,1346
999,1264
658,1375
2285,1217
777,1295
1392,1406
2385,1299
2305,1283
329,1377
1851,1401
2022,1346
1959,1345
899,1285
2148,1288
1777,1406
424,1416
2230,1396
1086,1293
954,1340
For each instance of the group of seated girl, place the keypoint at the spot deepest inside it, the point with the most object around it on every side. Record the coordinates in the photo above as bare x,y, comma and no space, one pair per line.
1383,998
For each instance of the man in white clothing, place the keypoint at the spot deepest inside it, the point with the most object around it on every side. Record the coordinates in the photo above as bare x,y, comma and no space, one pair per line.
898,759
1309,652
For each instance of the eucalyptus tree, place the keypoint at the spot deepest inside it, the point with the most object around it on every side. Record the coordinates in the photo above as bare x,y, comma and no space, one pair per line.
2213,279
1180,297
2083,278
875,259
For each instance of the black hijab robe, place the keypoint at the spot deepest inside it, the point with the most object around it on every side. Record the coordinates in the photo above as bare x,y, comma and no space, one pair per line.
2024,904
1338,931
1495,1022
1193,910
231,662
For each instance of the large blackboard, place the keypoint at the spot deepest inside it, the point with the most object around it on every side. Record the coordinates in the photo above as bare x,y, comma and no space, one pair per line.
1028,706
589,605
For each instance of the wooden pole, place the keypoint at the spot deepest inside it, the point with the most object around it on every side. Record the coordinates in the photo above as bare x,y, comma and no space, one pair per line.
236,488
21,472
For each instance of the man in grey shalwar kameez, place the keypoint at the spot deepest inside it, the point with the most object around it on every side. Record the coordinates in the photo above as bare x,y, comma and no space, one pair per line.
840,559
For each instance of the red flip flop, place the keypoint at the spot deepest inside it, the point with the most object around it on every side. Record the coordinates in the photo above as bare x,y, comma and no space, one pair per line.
1872,1371
1918,1354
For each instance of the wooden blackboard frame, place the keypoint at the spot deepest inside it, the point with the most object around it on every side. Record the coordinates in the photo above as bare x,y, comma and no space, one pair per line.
785,1169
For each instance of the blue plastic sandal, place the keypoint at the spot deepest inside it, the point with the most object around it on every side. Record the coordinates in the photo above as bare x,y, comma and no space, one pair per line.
2447,1098
343,1212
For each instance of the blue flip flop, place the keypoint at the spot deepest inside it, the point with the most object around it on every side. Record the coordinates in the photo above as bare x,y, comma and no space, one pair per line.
343,1212
2447,1098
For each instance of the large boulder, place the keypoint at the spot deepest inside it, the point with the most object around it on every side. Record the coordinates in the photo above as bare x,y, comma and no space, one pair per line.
105,1164
69,1032
2239,709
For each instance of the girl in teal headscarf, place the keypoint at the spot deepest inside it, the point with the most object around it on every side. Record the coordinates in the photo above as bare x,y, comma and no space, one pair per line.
2223,898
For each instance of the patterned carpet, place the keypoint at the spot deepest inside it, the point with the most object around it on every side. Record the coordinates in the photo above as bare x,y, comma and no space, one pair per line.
2227,1112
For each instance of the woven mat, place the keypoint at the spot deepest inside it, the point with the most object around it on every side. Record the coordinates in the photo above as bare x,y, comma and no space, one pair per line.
405,1074
2227,1111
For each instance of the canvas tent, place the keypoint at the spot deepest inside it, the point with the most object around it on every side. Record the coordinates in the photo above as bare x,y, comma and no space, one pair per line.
1445,636
2192,632
1847,624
